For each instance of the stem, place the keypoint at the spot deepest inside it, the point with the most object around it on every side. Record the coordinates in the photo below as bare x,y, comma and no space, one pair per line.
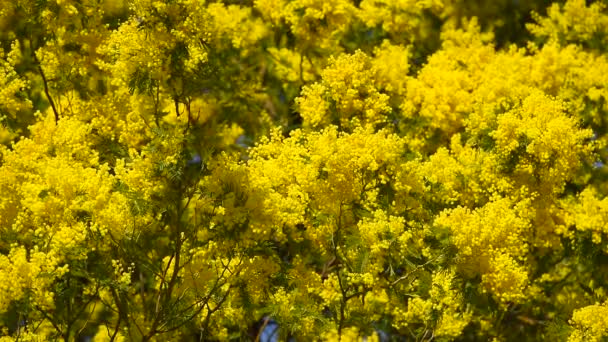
171,283
46,88
121,314
266,320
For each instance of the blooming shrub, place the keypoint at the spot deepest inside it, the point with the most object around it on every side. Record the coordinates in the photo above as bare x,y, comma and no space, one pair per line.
301,169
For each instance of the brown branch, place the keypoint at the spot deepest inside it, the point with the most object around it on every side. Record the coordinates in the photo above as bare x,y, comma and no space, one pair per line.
46,88
416,269
266,320
50,319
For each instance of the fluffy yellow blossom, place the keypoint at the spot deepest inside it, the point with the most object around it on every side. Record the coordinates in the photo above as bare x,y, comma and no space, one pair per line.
588,214
404,19
315,22
313,105
443,308
236,24
499,225
438,99
25,275
11,84
347,90
490,240
380,232
506,279
548,138
129,50
392,65
454,317
346,170
573,21
590,323
291,66
63,205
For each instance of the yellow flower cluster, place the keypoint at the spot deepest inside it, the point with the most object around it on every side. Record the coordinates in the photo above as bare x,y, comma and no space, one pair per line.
588,213
323,171
403,19
467,82
11,84
573,22
553,144
490,240
443,301
29,274
313,22
590,323
392,64
236,24
291,66
347,90
348,170
59,202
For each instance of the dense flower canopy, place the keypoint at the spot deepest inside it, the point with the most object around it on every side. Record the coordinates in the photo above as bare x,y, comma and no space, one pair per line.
379,170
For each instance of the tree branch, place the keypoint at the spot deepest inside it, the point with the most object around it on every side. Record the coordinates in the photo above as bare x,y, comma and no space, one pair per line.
46,88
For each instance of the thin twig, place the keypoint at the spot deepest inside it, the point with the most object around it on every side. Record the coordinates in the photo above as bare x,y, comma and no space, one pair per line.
46,88
266,320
